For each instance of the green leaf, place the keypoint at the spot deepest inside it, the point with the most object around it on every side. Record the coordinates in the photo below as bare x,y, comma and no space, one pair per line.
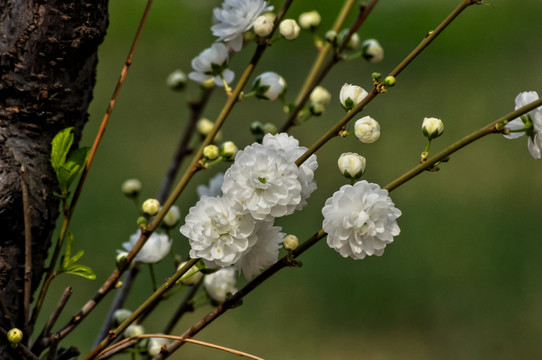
67,254
76,257
80,270
61,145
68,172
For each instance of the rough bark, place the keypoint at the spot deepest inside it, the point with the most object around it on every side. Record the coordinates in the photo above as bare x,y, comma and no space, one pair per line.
48,57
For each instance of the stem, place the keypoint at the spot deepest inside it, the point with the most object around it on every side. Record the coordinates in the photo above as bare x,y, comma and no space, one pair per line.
56,312
101,131
423,44
185,306
27,255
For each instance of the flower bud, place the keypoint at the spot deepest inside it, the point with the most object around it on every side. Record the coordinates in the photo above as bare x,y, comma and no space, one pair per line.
269,128
131,187
269,85
389,81
432,128
372,51
352,165
121,315
133,330
317,108
205,126
289,29
353,43
151,207
228,150
263,26
121,256
271,16
211,152
331,36
15,336
351,95
192,276
176,80
154,346
309,20
172,216
320,95
290,242
367,130
256,128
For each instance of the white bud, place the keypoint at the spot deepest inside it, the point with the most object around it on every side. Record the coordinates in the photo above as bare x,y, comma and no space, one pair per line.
289,29
317,108
271,16
154,346
372,50
352,165
176,80
309,20
133,330
353,43
211,152
269,85
320,95
351,95
131,187
172,216
228,150
151,207
432,127
263,26
290,242
192,276
205,126
121,256
367,130
120,315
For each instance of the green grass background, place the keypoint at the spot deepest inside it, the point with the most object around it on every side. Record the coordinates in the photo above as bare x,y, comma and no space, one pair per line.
462,281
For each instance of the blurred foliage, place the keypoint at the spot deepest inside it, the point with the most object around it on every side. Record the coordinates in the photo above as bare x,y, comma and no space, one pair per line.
462,281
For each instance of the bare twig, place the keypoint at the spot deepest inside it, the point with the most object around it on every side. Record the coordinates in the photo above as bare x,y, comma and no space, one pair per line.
114,348
56,312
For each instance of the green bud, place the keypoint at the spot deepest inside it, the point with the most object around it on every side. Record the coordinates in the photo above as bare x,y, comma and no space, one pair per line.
15,336
211,152
256,127
270,128
389,81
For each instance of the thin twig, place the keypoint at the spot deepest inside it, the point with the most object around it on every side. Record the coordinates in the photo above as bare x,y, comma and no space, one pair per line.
56,312
53,349
101,131
27,253
107,352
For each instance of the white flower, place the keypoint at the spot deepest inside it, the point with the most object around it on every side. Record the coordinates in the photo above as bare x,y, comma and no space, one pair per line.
172,216
351,95
220,283
217,232
192,276
367,130
155,248
215,187
264,253
310,19
352,165
432,127
372,50
290,148
154,346
534,142
263,26
320,95
269,85
360,220
289,29
234,18
264,182
210,64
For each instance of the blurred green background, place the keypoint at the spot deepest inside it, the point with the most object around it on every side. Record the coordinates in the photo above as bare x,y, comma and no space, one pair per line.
462,281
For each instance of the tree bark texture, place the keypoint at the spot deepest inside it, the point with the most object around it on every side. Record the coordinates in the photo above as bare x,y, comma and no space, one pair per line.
48,57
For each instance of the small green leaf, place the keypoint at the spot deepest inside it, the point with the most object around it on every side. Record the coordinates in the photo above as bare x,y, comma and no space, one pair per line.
67,254
61,145
73,166
80,270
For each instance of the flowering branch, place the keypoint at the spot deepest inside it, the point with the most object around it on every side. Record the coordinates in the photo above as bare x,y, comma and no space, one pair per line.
334,131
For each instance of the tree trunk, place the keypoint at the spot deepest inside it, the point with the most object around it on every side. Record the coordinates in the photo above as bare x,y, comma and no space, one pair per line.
48,57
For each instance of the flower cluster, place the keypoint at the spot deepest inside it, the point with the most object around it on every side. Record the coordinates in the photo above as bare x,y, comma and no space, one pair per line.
360,220
263,183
